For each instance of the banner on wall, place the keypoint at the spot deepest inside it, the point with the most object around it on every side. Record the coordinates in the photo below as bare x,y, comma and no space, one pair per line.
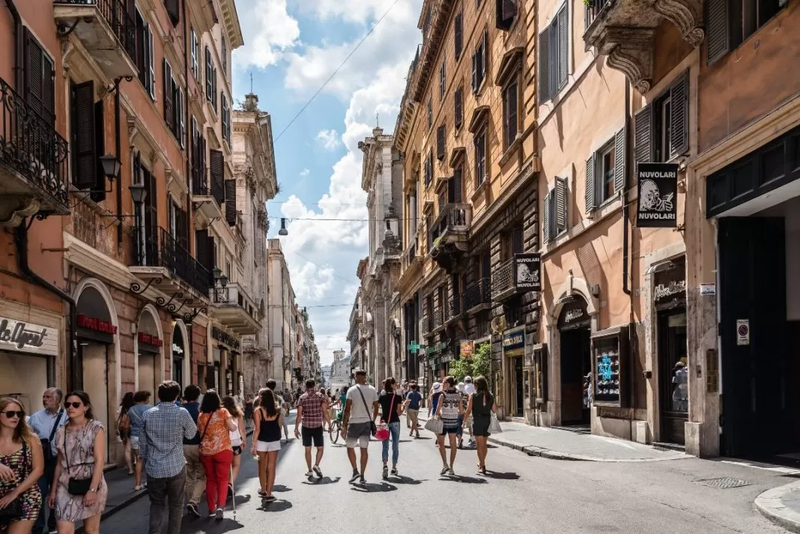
657,205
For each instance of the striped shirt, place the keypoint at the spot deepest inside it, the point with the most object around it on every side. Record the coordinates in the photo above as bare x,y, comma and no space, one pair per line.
451,400
161,441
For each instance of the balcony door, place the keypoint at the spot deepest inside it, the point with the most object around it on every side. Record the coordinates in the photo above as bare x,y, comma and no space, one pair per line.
149,217
454,187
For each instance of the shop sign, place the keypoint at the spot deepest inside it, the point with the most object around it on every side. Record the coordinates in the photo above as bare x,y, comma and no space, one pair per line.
513,340
658,189
708,289
465,350
27,337
95,324
663,291
528,272
176,349
436,349
225,338
149,339
574,314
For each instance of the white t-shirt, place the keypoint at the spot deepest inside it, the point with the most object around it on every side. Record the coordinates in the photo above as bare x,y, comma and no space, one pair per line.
358,412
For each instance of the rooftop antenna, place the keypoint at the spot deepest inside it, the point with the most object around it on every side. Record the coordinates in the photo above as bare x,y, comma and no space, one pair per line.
377,120
251,83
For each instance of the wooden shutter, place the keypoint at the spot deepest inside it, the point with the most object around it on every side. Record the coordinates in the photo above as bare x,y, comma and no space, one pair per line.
141,48
39,80
458,102
643,135
458,34
619,160
181,117
485,52
718,36
560,205
202,251
183,228
440,142
544,66
84,155
151,63
98,193
563,47
48,91
456,185
209,76
169,112
475,72
679,115
511,116
217,166
591,187
230,202
505,11
173,10
546,234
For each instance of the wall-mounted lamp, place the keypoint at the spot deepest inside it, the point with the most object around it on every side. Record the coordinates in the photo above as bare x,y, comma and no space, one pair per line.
138,193
111,166
283,230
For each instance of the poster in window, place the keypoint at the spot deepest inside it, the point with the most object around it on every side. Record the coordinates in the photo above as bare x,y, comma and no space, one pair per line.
657,200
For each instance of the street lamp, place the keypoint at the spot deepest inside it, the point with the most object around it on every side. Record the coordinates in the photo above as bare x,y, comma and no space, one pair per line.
283,230
111,166
138,195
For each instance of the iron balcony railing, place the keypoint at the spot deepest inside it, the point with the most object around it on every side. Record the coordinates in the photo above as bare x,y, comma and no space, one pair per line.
31,146
438,319
593,8
157,248
199,182
477,293
503,279
116,14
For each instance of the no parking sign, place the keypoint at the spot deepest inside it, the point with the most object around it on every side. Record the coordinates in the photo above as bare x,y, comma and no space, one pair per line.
742,331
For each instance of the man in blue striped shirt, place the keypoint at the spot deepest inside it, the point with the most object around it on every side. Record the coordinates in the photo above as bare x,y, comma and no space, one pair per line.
161,447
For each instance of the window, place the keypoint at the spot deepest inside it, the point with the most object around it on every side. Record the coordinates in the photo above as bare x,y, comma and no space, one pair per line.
730,22
480,157
226,120
553,56
440,145
174,105
662,128
211,80
458,104
454,186
510,111
442,80
505,14
224,57
555,211
230,202
429,168
195,51
173,10
39,80
430,112
480,59
605,172
144,56
87,140
458,35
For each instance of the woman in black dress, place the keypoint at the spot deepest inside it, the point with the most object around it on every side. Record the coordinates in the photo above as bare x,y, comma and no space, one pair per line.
481,405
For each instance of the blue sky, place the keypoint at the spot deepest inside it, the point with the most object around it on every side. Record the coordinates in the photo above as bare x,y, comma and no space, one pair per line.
291,48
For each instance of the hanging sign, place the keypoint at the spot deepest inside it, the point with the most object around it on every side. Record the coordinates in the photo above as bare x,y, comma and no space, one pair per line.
465,350
528,272
658,189
20,336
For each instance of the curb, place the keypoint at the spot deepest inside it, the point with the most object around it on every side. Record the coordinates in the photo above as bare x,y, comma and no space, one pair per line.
771,506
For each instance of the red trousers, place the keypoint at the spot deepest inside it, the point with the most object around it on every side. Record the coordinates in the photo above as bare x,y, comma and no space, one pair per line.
218,469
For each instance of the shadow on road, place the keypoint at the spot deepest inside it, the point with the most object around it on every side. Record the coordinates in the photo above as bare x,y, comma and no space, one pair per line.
280,488
321,481
218,527
399,479
280,505
463,479
242,499
383,487
502,476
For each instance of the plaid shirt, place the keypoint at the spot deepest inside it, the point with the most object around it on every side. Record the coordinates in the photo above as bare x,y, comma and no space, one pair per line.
161,440
312,404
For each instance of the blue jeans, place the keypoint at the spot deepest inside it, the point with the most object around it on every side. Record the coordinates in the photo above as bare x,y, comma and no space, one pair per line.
394,431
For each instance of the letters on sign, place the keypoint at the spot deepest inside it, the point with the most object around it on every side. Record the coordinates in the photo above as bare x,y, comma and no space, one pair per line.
528,272
98,325
658,189
150,340
17,334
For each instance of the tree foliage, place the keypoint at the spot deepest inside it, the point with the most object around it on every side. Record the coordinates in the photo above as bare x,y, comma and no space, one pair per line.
479,364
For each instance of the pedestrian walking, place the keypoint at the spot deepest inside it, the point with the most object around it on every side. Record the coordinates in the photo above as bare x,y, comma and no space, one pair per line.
164,428
283,405
216,452
22,465
469,389
124,428
142,404
359,423
481,406
392,408
237,439
433,403
450,407
45,424
195,472
267,442
80,491
411,406
312,412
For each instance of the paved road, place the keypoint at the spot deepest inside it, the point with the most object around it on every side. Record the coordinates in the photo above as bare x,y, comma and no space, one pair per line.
522,494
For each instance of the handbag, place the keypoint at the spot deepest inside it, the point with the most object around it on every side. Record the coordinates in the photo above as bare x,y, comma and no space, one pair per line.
13,511
435,425
76,486
372,428
494,425
383,432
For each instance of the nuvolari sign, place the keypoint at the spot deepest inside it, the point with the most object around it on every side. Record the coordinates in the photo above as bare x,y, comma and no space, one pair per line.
658,191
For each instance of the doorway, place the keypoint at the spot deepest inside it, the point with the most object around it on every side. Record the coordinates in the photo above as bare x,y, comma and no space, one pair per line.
147,372
517,391
575,366
93,359
673,375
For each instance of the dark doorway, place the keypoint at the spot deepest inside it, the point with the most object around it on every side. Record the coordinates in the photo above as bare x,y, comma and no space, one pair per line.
519,410
673,375
575,365
756,419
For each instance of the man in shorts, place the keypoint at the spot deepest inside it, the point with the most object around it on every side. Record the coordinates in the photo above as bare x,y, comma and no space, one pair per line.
312,412
413,399
358,421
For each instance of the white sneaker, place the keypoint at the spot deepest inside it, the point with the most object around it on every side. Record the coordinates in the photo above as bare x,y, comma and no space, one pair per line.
310,474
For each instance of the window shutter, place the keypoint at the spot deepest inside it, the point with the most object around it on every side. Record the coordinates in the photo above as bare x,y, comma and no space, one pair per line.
84,156
591,187
643,135
230,202
217,166
141,46
39,80
48,91
209,76
485,51
458,34
181,118
459,110
511,113
99,187
169,112
563,47
173,10
440,142
547,215
544,66
717,31
475,72
151,63
137,168
560,205
679,115
505,11
201,247
456,185
619,160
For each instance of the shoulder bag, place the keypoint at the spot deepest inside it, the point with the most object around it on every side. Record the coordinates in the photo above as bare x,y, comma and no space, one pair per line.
434,422
203,433
77,486
372,428
50,459
383,433
13,512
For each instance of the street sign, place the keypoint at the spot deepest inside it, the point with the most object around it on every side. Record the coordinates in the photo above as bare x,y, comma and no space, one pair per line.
742,331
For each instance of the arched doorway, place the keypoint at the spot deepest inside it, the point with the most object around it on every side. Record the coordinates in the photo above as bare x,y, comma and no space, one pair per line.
181,361
149,344
574,329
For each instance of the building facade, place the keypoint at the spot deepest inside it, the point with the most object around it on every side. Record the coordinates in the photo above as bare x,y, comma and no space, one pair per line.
282,317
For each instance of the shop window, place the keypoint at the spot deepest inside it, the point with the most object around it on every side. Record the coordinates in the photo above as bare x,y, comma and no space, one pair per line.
730,22
662,128
554,56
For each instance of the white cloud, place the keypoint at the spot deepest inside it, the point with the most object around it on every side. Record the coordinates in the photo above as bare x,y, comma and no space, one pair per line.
305,172
269,31
348,10
329,139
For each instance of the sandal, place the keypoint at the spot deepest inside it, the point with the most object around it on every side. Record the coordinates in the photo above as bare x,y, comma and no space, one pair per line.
262,493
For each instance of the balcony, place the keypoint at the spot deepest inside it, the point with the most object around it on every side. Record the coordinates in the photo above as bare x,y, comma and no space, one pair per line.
425,326
234,309
453,310
208,201
105,29
504,282
478,296
624,30
438,319
33,162
449,233
161,262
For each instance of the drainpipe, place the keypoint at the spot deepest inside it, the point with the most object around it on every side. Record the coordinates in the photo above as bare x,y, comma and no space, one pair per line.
18,46
118,152
21,240
626,257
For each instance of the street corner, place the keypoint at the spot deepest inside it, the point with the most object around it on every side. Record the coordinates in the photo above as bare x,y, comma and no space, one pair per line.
781,505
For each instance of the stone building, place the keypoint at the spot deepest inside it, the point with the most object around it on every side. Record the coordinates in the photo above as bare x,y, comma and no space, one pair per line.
354,333
282,317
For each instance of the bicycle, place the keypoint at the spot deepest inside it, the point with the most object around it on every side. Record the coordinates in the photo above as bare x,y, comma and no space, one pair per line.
335,429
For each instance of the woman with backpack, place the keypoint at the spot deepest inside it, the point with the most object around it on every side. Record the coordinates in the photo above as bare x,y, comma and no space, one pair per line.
124,428
215,424
21,465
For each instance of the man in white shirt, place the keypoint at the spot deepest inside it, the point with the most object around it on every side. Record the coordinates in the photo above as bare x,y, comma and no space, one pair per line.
358,422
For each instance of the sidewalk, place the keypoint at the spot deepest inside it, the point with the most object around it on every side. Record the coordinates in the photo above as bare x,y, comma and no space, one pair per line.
782,506
557,444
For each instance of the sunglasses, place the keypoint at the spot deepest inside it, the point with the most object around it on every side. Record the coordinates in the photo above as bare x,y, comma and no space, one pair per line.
11,414
73,404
